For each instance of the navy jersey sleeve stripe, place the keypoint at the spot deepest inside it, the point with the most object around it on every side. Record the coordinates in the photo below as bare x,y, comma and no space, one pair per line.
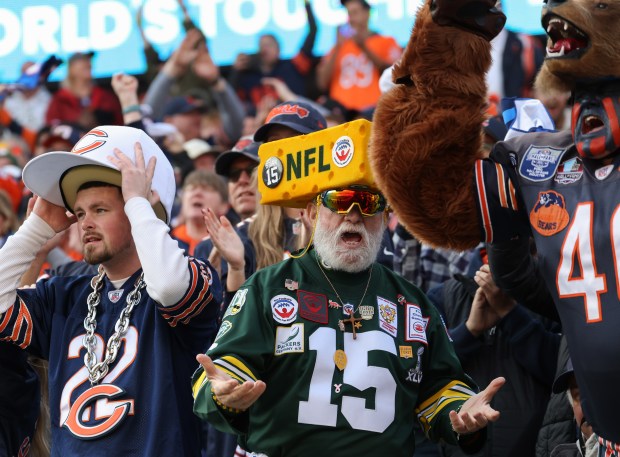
195,300
499,213
18,322
483,206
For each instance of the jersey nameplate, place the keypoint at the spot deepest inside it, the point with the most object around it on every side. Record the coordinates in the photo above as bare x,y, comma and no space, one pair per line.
540,163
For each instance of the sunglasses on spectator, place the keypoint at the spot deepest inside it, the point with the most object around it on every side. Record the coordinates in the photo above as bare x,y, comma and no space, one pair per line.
342,201
235,174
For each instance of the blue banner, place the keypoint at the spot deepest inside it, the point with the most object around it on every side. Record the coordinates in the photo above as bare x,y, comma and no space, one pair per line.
31,30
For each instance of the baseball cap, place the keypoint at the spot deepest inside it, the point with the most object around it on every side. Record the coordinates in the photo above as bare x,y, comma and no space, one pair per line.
562,381
183,105
56,176
197,147
244,148
11,186
69,134
300,116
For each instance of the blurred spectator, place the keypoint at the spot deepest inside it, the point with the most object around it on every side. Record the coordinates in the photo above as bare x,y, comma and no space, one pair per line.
248,71
517,57
29,106
8,218
61,137
423,265
201,190
185,113
80,100
556,103
494,335
203,155
350,72
586,443
236,166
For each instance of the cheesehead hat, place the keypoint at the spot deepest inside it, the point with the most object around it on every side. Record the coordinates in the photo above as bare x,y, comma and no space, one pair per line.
294,170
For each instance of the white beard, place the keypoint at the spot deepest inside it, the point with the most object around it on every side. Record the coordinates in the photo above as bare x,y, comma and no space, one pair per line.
352,260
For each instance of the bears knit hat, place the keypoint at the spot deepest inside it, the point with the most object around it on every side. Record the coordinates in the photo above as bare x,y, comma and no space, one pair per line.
299,116
57,176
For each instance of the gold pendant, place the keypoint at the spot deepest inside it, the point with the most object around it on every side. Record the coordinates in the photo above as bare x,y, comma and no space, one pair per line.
340,358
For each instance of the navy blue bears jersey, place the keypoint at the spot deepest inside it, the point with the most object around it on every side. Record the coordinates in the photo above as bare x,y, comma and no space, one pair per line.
537,185
143,406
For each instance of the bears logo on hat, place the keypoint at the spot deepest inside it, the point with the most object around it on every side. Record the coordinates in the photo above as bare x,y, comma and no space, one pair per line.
57,176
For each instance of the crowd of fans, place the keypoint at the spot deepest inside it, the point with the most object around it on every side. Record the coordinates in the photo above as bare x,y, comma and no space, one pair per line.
204,118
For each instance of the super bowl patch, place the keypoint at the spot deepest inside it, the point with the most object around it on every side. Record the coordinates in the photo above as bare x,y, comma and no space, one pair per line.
236,303
388,316
289,339
549,215
540,163
284,309
312,307
569,171
416,324
342,152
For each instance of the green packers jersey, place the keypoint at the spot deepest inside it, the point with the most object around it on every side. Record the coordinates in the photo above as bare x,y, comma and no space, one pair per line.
331,391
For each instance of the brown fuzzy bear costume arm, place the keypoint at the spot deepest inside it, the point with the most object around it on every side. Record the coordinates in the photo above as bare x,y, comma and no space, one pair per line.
427,133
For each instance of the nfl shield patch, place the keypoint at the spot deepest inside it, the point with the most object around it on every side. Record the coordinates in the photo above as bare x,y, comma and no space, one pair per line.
115,295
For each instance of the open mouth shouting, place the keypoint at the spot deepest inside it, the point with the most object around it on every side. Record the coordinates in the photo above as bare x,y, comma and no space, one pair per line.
565,40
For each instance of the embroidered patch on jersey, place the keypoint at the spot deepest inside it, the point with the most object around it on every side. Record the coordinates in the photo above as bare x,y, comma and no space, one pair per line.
400,298
603,172
333,304
415,374
569,171
284,309
549,215
367,312
236,303
291,285
406,352
388,316
348,309
540,163
289,339
115,295
312,307
224,328
416,324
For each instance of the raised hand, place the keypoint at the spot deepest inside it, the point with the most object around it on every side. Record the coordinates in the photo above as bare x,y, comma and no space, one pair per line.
500,302
55,216
225,239
477,412
136,178
126,88
227,390
481,316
